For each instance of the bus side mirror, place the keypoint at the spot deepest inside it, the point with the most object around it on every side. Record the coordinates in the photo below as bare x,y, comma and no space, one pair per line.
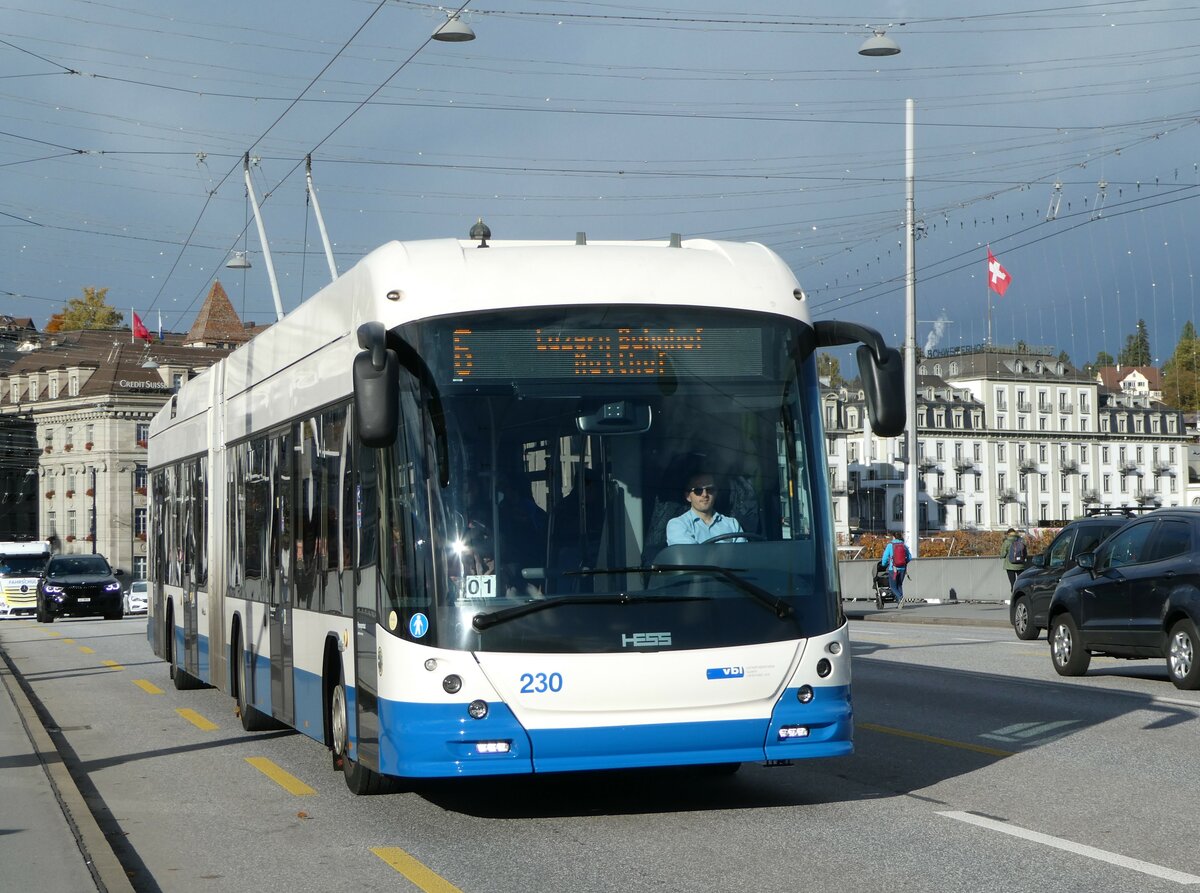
879,367
883,386
376,375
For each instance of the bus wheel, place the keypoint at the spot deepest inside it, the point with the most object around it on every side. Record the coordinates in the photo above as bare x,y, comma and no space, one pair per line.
359,779
253,719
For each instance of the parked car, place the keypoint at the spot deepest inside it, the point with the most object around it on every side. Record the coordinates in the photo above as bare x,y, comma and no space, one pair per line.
1029,607
1137,596
137,597
78,585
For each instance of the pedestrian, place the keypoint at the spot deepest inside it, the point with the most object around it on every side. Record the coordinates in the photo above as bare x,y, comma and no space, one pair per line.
895,559
1015,554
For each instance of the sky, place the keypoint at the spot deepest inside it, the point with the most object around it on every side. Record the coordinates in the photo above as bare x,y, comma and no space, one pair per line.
1065,136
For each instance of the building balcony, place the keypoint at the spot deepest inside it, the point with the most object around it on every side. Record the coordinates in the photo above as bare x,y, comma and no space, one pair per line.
1090,496
1007,495
1070,467
927,465
946,494
963,466
1024,406
1128,468
1045,407
1028,466
1148,497
1066,407
1164,468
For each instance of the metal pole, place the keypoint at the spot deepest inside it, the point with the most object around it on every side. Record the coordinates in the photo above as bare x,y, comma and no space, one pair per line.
312,193
94,495
262,239
911,518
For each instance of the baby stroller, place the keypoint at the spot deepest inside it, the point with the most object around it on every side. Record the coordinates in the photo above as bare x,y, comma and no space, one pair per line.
883,592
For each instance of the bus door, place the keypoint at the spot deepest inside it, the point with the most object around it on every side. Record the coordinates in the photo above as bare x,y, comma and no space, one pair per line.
280,609
366,613
191,522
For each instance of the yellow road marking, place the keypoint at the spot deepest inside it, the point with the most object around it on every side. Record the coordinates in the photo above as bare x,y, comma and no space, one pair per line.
423,877
69,641
51,632
113,664
204,725
147,686
86,650
931,739
281,777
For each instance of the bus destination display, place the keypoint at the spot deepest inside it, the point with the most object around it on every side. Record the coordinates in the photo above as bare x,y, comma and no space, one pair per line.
633,352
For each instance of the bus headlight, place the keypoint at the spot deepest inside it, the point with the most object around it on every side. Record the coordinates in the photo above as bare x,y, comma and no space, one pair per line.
477,709
824,667
804,694
451,684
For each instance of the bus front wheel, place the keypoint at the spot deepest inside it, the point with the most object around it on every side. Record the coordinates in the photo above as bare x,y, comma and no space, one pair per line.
359,779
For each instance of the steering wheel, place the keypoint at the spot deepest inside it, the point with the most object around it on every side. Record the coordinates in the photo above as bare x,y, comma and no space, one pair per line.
754,537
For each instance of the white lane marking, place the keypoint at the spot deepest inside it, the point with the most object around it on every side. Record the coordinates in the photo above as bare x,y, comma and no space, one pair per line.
1158,871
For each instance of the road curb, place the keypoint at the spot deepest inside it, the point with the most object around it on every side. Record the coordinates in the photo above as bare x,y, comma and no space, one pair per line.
98,855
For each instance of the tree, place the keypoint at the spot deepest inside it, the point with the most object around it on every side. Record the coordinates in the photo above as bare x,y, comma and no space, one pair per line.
1103,358
829,368
1181,374
88,312
1137,347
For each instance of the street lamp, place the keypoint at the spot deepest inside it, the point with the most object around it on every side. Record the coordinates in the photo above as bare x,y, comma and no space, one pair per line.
881,45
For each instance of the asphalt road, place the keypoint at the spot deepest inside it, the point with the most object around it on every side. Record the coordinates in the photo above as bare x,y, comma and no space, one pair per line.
976,768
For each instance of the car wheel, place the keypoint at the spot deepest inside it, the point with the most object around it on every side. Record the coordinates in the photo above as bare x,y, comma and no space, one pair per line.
1183,655
1022,620
43,617
1067,653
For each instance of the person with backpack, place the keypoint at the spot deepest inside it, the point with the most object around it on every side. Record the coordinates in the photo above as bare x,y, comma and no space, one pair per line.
895,559
1015,555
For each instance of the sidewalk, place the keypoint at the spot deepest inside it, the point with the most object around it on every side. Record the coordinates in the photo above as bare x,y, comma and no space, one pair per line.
48,837
960,613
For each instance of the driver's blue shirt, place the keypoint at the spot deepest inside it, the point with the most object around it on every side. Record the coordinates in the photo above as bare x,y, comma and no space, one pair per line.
690,529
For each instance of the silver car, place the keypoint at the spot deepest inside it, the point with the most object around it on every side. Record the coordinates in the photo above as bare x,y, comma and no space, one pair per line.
137,597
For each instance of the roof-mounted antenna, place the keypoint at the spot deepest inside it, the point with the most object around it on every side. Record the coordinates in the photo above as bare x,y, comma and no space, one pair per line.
312,194
262,238
676,240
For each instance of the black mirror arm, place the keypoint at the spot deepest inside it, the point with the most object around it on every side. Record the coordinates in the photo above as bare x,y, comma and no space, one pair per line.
834,332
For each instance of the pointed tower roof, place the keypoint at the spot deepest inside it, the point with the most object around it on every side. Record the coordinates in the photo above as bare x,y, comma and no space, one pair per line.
217,323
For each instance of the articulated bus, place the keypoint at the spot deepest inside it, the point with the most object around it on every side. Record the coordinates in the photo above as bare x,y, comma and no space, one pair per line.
423,518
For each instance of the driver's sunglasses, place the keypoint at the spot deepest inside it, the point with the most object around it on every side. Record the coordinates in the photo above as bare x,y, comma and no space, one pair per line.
702,491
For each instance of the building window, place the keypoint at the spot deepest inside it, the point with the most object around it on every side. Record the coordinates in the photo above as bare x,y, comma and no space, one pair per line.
1001,421
51,523
1001,480
69,437
1000,452
1083,425
71,522
1001,397
73,385
978,513
1043,483
1042,452
1020,452
977,451
1107,479
139,522
143,432
1140,453
1104,455
1021,422
139,477
939,450
53,387
1064,512
1083,481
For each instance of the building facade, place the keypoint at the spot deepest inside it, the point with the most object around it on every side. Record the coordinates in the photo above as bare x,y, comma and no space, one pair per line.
86,399
1006,437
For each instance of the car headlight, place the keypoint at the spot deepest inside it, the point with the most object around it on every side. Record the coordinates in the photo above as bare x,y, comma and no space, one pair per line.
112,587
51,589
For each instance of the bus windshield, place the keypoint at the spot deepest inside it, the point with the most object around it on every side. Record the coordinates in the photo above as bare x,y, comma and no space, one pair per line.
591,480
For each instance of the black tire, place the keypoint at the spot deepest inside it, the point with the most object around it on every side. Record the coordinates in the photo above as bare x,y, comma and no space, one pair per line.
1022,620
253,719
1067,653
117,614
359,779
43,617
1183,655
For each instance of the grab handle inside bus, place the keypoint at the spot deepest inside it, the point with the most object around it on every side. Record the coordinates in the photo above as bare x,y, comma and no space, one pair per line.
880,367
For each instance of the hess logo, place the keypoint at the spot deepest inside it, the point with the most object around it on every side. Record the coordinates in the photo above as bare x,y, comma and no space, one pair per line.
645,640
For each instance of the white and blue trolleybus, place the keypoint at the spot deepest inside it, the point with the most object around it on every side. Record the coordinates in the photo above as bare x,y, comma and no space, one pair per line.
423,518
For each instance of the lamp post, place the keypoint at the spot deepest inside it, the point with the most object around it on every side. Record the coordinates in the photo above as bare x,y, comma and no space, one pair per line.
881,45
94,496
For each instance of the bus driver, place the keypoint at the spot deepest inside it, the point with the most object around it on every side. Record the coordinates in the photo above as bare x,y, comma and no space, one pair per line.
701,522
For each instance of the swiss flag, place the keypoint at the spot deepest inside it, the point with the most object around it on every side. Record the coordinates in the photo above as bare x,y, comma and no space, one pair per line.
998,278
140,330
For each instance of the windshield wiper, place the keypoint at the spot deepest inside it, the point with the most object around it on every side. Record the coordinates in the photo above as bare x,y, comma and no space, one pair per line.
484,621
781,608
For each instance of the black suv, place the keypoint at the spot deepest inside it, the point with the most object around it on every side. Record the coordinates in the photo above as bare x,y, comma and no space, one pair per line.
78,585
1136,596
1028,610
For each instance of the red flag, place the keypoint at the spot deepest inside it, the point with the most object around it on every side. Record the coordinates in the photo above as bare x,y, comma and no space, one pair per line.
140,330
998,278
